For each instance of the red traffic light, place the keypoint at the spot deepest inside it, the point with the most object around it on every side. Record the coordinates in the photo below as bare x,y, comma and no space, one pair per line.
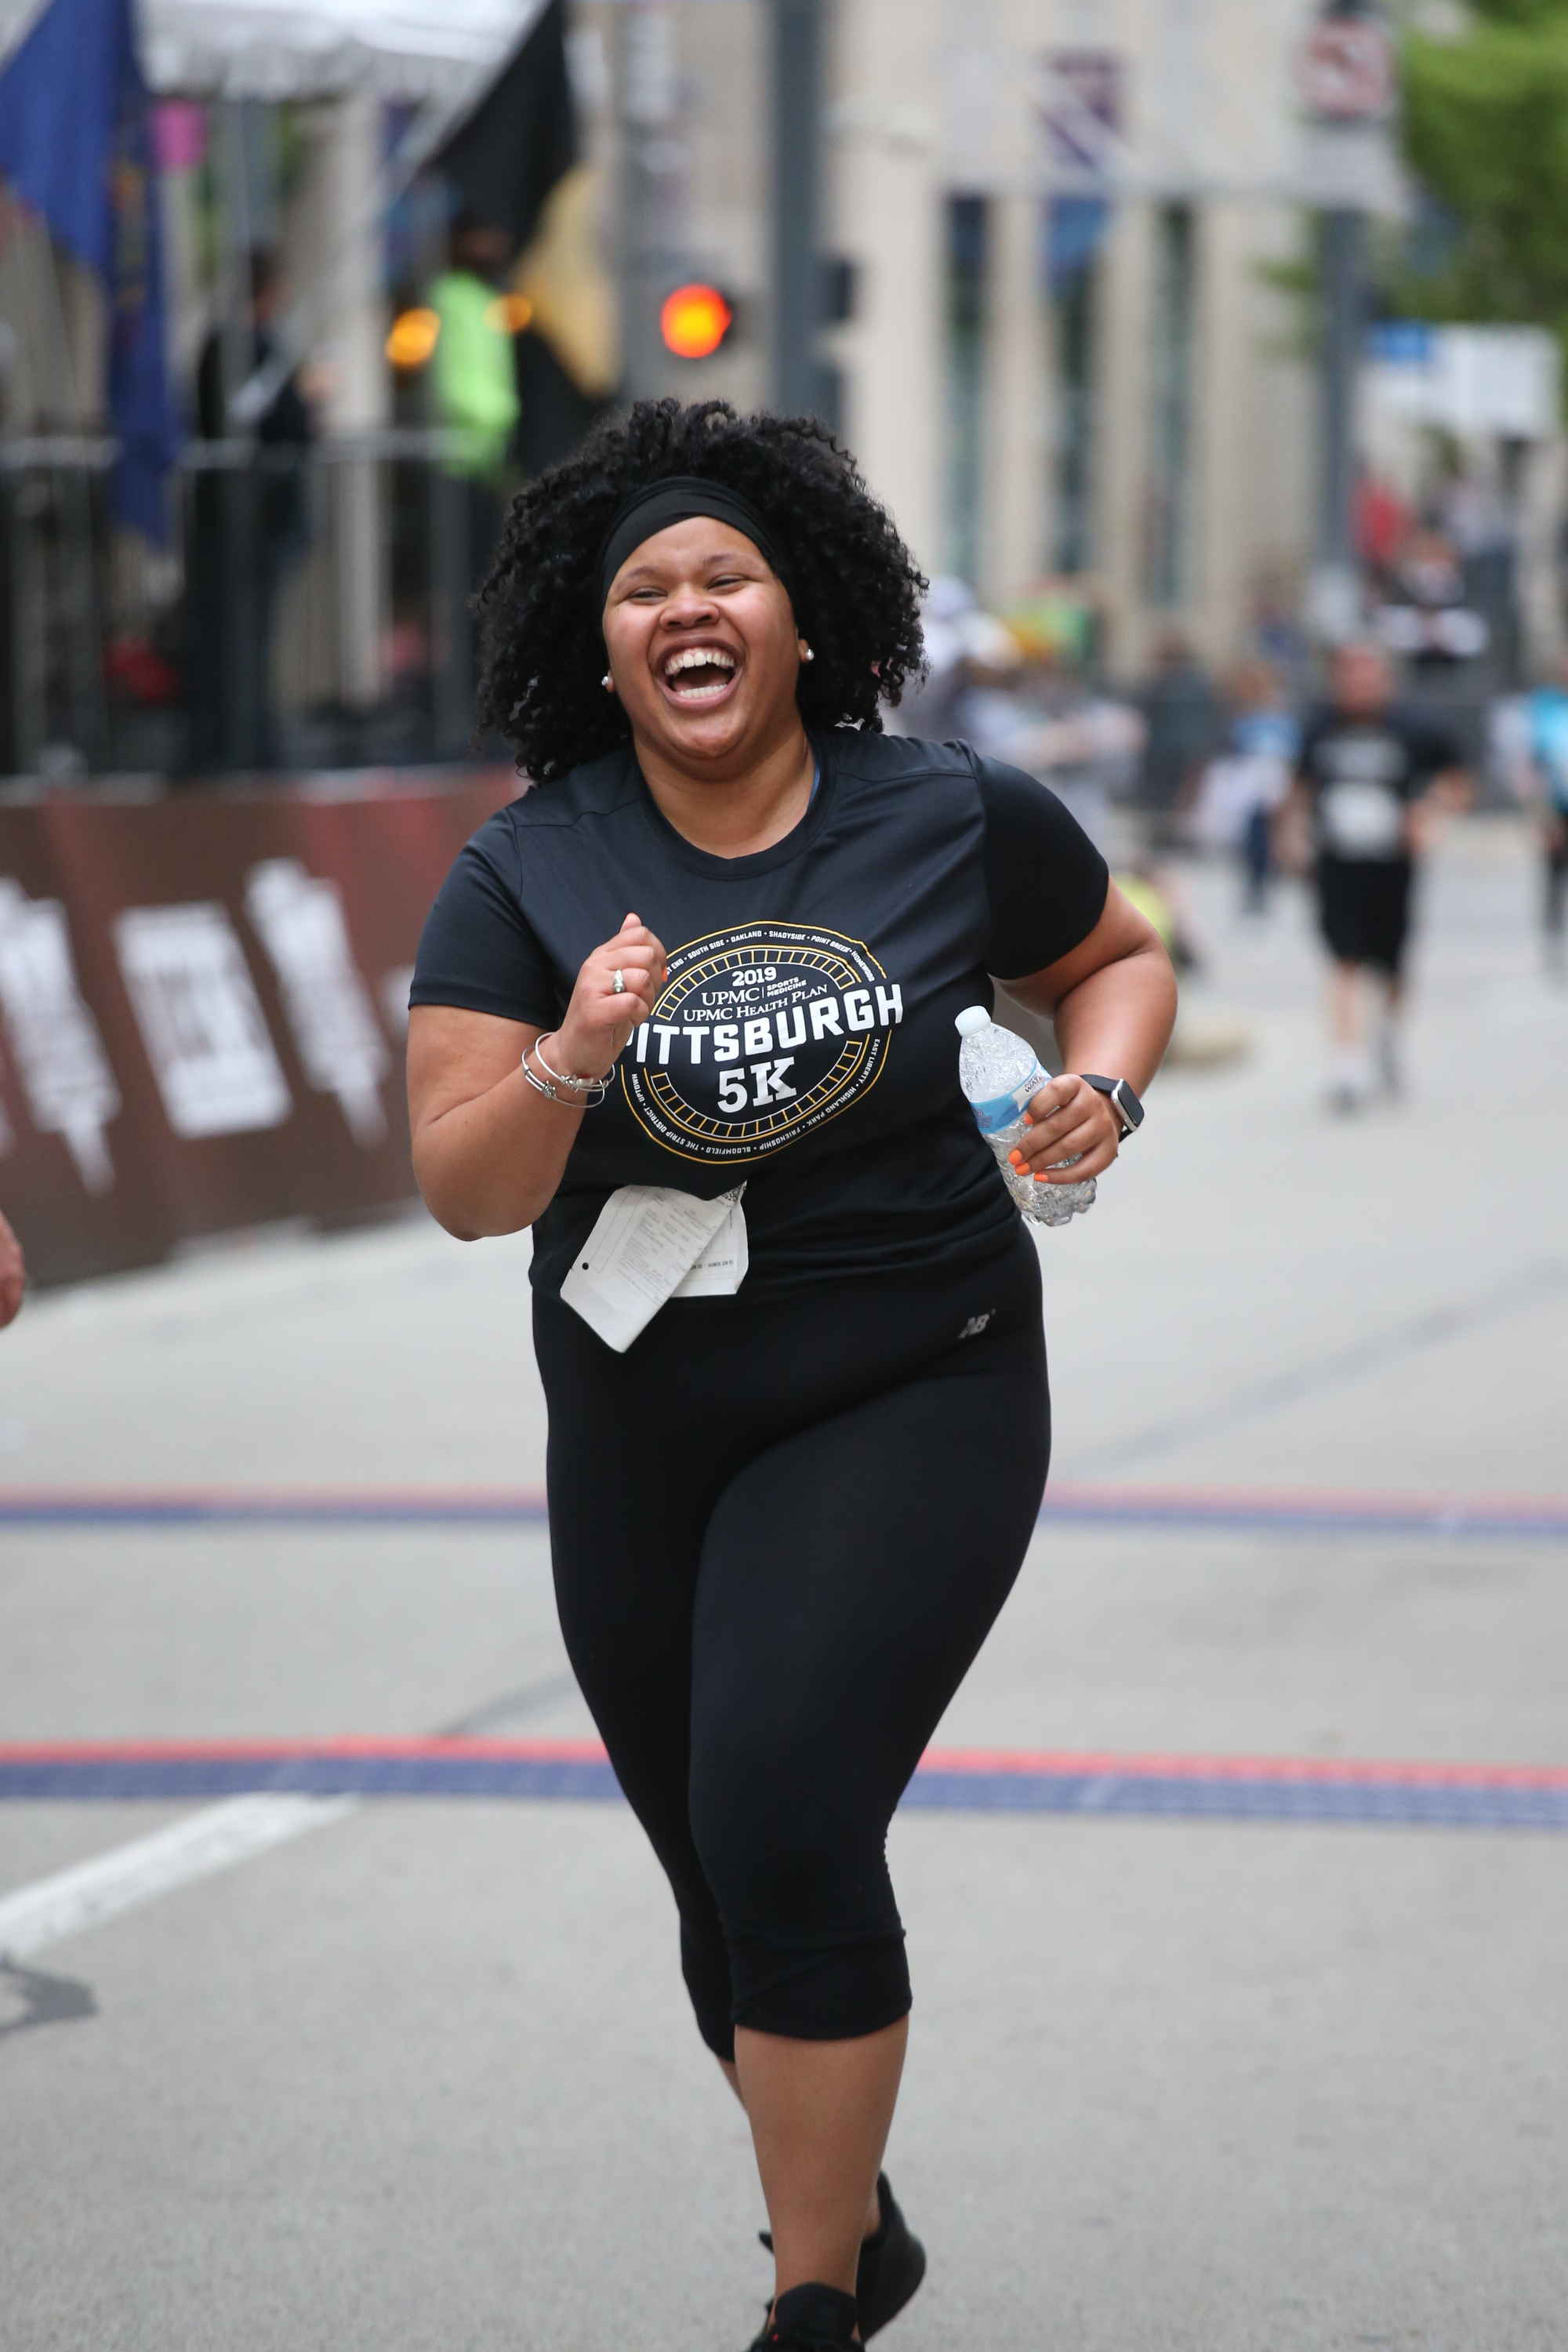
694,321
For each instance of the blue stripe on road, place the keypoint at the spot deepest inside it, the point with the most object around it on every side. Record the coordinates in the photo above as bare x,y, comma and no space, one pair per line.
1182,1797
1453,1802
1237,1510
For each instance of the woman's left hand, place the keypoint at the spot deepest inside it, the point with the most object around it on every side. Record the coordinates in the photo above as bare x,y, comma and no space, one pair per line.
1068,1119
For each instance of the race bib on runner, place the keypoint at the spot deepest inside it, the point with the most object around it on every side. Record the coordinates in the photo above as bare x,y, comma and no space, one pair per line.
651,1245
1363,820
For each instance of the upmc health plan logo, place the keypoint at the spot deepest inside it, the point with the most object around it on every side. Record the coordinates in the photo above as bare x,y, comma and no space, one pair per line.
762,1033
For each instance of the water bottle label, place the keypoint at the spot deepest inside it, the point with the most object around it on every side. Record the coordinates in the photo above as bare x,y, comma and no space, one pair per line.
1006,1110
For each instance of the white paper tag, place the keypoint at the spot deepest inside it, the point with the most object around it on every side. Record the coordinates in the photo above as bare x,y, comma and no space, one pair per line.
646,1240
721,1268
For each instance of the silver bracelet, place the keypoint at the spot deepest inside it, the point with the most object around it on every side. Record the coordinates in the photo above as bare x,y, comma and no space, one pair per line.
549,1082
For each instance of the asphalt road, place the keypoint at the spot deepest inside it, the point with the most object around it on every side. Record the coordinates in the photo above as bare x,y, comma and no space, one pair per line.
422,2075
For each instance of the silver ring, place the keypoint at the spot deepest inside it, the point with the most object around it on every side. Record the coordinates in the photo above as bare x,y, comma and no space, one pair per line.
617,983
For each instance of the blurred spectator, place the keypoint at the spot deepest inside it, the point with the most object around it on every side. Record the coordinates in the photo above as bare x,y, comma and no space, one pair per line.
929,710
1547,713
12,1276
474,378
1369,779
1383,523
1427,619
1278,635
249,528
1243,791
1159,898
1482,522
1043,717
1182,715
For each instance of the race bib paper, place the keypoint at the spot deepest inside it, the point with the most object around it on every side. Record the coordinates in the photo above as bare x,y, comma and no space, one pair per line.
651,1245
721,1268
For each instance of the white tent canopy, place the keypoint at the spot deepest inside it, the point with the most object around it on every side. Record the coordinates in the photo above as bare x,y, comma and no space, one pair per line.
436,52
418,50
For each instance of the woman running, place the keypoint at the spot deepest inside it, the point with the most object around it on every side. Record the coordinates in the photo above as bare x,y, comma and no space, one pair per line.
715,955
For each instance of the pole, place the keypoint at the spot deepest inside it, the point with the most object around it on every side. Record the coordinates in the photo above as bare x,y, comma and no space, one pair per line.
1342,357
1349,77
238,487
797,144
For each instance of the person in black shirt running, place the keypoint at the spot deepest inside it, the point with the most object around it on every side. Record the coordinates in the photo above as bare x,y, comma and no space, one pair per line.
1369,779
698,987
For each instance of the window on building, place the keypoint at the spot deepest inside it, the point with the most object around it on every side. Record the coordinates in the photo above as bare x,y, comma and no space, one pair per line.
968,241
1074,229
1171,385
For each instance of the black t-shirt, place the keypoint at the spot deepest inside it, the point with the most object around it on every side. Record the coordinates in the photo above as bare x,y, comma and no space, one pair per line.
1361,774
804,1040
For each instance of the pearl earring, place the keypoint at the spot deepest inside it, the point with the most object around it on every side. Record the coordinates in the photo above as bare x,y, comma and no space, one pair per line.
608,683
807,654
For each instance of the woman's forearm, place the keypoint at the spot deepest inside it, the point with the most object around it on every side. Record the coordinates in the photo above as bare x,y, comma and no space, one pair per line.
490,1147
1118,1021
491,1164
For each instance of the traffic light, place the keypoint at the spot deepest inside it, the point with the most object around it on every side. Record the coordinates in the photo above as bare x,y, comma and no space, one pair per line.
412,337
694,321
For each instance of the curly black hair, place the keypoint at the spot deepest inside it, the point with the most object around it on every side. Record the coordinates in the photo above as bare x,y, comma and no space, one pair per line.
855,585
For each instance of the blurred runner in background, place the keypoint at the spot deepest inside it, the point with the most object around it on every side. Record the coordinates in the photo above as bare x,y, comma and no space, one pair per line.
1371,780
1548,722
1244,790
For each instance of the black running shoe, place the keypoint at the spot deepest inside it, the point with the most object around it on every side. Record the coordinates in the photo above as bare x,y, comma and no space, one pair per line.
811,2318
893,2265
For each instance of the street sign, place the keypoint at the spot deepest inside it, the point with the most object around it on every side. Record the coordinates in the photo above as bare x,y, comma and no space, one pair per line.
1345,70
1078,104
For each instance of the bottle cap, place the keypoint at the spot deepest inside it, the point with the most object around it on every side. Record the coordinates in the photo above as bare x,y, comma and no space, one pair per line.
975,1017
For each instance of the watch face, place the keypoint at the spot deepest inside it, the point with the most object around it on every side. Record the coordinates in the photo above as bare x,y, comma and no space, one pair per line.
1128,1109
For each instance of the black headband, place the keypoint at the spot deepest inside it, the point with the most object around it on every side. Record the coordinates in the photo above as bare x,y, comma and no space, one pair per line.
679,499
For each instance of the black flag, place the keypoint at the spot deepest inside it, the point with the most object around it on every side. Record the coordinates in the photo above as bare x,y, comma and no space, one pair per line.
505,157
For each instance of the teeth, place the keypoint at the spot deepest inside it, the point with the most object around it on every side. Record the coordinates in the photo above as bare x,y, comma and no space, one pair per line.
698,658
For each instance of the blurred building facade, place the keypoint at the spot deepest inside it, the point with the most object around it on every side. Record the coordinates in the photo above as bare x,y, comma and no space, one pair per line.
1065,323
1062,227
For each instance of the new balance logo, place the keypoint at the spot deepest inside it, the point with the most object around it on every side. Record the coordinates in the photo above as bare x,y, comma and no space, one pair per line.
975,1324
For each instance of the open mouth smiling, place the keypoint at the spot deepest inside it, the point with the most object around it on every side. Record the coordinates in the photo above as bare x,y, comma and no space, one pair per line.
699,674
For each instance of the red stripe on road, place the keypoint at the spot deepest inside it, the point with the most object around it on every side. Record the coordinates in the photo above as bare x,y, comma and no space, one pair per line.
1019,1763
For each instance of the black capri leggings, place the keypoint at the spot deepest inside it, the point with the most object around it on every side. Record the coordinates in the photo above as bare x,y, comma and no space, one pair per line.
781,1532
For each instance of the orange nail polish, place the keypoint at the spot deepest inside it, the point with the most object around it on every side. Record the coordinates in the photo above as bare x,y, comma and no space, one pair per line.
1016,1158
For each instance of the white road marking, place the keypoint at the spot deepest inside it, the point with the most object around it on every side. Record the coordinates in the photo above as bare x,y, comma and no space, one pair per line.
217,1838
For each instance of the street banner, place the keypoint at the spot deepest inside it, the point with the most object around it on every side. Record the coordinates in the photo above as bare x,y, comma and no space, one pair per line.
203,1005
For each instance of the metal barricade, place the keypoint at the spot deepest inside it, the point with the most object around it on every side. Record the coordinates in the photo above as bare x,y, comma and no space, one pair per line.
310,609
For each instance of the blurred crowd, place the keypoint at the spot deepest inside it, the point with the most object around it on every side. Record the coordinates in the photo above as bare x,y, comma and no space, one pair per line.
1220,765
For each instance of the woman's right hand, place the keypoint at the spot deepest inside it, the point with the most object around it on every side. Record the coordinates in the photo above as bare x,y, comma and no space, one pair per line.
598,1022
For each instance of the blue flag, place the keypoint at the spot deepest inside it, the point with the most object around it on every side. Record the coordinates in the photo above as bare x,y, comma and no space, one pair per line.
76,145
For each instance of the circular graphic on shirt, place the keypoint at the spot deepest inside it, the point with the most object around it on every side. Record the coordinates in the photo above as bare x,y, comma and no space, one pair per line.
762,1033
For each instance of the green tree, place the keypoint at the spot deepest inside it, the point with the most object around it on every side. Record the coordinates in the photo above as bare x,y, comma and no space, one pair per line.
1486,131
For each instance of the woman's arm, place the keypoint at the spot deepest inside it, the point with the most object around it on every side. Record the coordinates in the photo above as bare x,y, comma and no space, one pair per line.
12,1276
1114,1002
489,1149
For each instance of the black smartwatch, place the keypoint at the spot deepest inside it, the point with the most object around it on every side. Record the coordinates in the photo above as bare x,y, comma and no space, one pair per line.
1125,1103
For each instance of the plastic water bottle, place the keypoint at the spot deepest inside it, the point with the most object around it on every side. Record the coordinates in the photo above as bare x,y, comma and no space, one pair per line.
1001,1076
